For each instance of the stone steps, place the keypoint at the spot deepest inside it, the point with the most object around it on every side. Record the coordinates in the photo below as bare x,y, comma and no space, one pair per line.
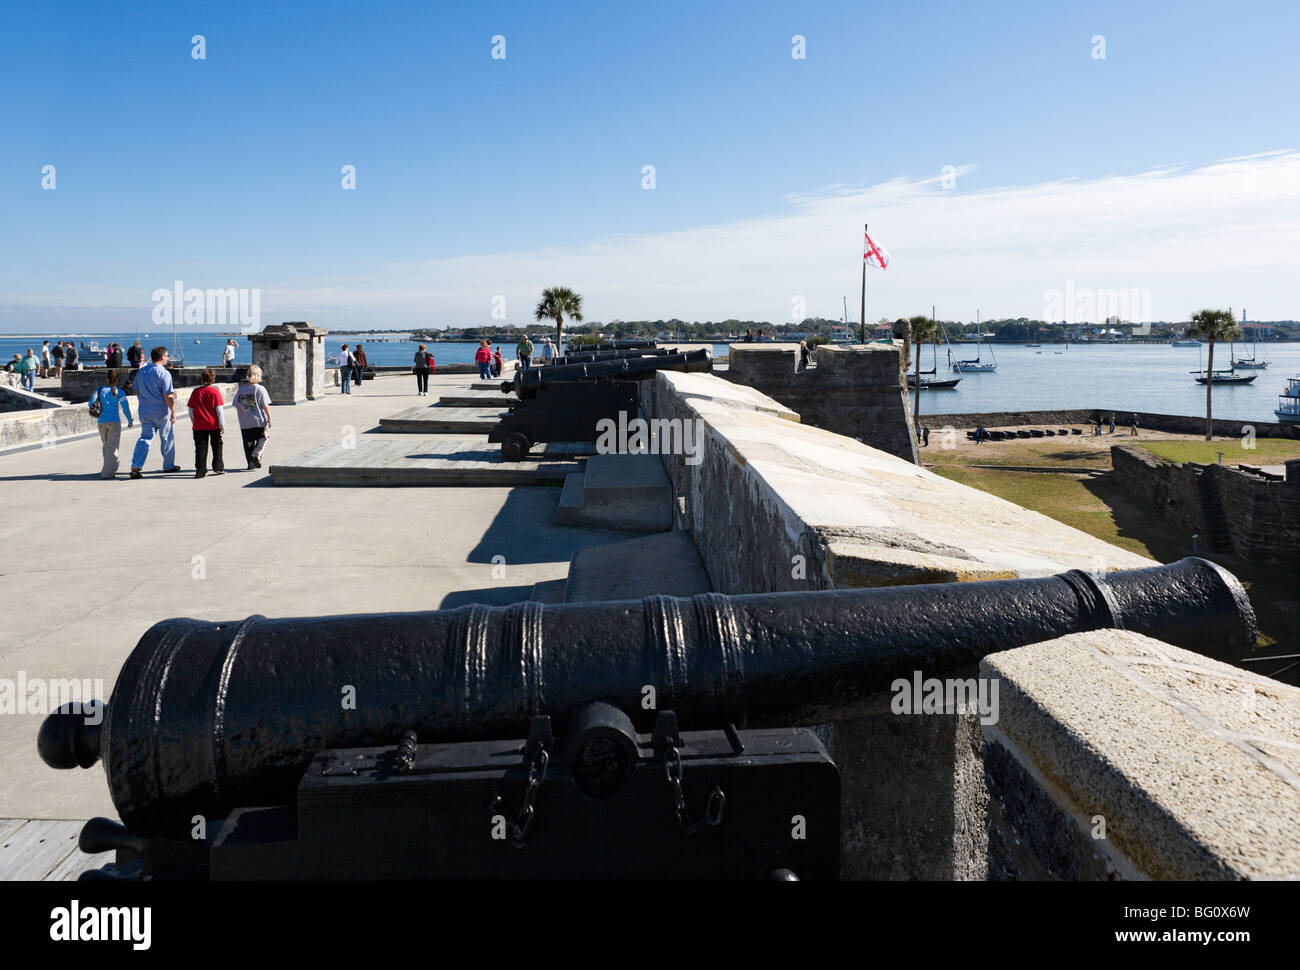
628,492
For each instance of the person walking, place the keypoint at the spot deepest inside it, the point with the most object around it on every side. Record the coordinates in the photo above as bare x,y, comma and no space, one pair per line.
135,354
228,353
345,369
45,359
1133,425
208,422
253,407
1112,423
925,433
114,356
497,363
111,405
156,404
56,355
804,355
548,351
359,365
424,367
524,351
70,360
483,357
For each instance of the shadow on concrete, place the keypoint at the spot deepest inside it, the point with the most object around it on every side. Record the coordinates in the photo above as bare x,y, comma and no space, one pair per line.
89,476
490,595
524,530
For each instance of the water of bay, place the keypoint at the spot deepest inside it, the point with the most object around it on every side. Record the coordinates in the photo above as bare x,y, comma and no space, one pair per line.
1118,377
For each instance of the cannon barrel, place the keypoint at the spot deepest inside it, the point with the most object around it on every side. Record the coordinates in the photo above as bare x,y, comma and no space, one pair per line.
618,368
208,716
587,356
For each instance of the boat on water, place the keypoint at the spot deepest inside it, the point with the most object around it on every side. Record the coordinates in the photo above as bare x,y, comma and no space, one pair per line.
1224,377
932,383
1254,361
1288,405
976,365
1186,343
90,353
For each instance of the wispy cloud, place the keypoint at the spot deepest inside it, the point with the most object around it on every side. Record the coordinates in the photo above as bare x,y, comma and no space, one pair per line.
1221,234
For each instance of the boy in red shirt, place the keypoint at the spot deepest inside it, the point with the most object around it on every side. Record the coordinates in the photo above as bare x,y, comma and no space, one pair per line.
208,421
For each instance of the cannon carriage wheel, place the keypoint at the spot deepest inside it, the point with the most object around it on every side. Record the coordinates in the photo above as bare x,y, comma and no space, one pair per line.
515,445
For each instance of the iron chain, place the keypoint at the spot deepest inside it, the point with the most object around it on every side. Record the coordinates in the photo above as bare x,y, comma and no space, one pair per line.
712,811
536,775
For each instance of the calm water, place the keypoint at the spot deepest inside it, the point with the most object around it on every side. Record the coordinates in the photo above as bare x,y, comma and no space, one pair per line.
1140,377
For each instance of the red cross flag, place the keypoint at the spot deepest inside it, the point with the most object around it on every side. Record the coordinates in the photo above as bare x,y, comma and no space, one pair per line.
874,255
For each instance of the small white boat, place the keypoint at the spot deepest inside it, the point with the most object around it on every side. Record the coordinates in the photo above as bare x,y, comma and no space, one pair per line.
1186,343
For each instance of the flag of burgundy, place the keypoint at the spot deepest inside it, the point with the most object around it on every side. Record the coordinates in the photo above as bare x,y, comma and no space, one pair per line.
874,255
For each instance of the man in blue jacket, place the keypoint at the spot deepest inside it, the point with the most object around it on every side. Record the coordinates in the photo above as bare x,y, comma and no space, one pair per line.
157,410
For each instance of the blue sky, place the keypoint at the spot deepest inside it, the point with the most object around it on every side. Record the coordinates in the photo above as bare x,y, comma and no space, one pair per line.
478,177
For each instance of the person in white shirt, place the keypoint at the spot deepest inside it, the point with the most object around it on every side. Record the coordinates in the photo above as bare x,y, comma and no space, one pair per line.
346,363
253,406
548,351
228,355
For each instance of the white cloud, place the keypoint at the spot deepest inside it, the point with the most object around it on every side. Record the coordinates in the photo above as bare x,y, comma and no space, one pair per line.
1222,234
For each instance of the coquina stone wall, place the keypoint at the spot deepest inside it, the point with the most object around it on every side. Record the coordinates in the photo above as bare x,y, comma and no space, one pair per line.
856,390
1171,423
1262,515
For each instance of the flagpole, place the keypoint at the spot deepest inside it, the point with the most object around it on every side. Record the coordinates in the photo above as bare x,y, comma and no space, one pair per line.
864,288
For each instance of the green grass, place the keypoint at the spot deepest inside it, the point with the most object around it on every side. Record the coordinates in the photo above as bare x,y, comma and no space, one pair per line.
1267,451
1099,507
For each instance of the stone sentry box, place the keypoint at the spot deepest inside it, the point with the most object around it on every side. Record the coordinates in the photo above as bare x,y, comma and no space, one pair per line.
292,358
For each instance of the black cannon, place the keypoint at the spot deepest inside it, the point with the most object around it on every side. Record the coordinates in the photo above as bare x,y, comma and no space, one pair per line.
588,356
208,720
568,402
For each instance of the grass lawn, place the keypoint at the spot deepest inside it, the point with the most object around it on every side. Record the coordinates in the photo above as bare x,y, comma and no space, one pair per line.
1097,506
1267,451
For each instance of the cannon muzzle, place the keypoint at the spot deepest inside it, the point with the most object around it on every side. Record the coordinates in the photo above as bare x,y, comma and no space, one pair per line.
207,716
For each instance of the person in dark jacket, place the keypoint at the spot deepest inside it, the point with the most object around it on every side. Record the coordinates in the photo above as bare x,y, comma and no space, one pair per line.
135,354
359,365
114,356
423,368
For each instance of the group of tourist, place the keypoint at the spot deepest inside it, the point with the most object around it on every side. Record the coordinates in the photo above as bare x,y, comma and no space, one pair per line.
352,367
156,406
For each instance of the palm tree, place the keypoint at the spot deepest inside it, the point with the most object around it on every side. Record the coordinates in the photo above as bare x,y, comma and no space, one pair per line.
556,303
924,331
1212,325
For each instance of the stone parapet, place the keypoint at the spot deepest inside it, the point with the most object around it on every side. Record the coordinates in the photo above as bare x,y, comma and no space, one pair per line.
1117,756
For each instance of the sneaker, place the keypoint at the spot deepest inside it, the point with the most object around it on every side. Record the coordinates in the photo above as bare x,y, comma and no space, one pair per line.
257,463
135,473
250,466
174,468
200,474
219,471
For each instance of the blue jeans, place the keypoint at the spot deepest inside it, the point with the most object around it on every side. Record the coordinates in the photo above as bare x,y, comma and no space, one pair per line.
345,374
29,380
163,426
485,370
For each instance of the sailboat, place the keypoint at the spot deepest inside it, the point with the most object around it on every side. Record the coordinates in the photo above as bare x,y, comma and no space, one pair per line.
1034,338
976,365
1229,376
1252,362
929,382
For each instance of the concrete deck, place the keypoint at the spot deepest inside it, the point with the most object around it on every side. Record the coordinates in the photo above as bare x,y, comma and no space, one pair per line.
89,565
403,460
438,419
